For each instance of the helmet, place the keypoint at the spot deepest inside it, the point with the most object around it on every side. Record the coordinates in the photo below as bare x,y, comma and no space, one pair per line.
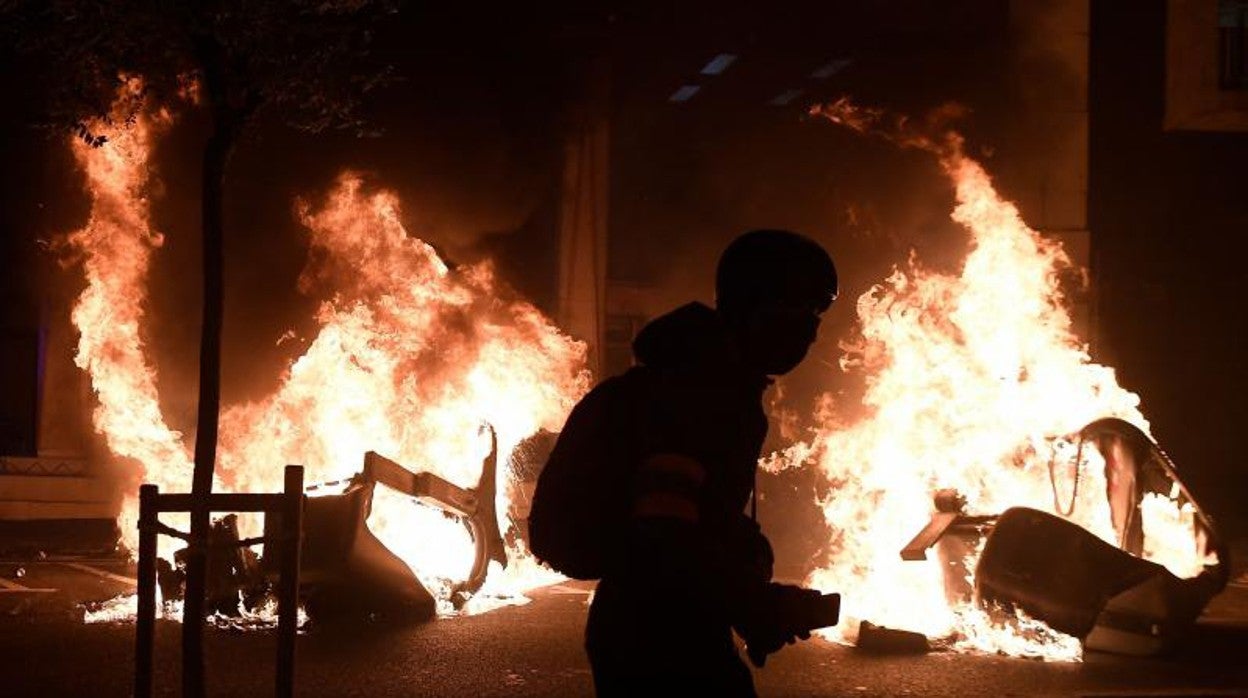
767,267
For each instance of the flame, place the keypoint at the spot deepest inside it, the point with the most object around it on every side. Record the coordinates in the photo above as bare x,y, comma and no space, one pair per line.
115,248
409,359
1168,538
973,381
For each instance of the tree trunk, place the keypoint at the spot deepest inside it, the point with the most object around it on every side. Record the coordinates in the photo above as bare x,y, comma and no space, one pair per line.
216,152
227,122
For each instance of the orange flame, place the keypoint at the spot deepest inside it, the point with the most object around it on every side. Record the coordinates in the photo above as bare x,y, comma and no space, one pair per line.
115,248
410,358
973,382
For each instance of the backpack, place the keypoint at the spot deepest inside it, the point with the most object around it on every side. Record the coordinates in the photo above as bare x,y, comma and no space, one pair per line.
581,502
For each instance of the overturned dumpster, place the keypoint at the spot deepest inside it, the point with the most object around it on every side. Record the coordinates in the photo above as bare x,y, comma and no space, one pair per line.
1108,595
346,573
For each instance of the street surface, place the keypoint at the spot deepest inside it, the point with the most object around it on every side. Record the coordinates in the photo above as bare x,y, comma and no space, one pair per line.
534,650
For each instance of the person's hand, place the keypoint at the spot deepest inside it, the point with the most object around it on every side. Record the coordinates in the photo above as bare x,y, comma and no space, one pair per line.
775,620
759,647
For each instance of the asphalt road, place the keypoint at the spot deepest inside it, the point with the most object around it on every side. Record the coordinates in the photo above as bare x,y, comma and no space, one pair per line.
534,650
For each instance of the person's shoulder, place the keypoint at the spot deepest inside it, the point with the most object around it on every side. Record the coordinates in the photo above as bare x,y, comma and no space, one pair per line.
614,383
637,381
618,387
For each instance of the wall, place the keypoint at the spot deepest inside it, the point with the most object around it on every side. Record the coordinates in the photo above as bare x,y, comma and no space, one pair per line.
1169,212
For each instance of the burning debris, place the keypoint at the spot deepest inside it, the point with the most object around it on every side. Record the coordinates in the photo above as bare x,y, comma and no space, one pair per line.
235,577
345,572
878,639
409,357
977,388
1135,593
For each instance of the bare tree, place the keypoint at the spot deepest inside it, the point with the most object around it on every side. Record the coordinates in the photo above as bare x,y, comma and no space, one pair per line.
307,60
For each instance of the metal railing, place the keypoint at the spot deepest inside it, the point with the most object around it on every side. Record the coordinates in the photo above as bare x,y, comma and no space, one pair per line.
287,505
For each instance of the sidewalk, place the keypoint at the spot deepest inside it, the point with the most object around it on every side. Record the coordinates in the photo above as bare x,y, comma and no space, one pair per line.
28,538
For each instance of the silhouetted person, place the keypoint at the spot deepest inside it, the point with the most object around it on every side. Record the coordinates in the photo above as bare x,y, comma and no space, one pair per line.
687,564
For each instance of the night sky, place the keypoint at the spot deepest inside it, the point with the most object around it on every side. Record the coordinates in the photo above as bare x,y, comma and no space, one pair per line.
471,139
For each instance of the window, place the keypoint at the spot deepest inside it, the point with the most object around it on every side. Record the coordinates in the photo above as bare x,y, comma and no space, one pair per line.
1206,70
1232,42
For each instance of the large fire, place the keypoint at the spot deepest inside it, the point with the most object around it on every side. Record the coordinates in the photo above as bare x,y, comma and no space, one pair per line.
115,248
974,381
410,359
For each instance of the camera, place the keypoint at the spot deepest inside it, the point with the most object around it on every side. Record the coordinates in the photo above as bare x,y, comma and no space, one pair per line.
814,612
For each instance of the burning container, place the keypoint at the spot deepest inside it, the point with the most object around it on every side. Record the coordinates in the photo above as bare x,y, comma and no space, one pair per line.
1113,597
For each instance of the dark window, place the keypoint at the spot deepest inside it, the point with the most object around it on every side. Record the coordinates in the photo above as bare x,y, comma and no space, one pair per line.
19,391
1232,40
